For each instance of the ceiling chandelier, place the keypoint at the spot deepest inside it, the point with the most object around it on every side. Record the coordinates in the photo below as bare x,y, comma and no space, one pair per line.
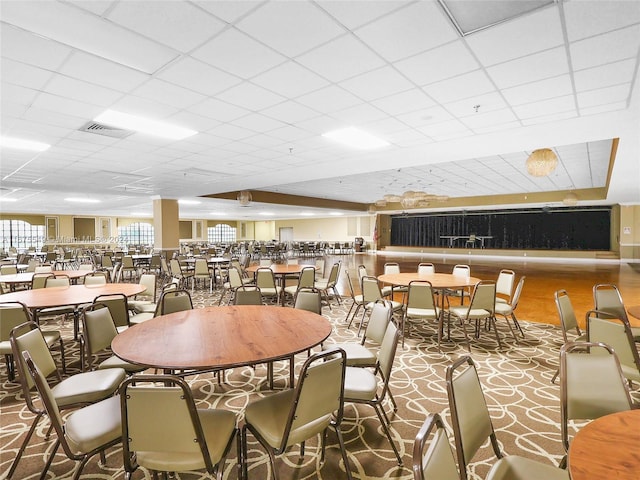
244,198
411,199
542,162
571,199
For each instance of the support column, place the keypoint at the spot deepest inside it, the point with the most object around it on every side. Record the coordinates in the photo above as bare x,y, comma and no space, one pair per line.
166,226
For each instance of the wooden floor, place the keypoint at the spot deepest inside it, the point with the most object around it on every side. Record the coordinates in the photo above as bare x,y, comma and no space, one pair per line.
543,278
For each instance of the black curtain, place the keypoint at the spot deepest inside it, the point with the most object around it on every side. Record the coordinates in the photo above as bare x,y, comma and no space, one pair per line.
581,228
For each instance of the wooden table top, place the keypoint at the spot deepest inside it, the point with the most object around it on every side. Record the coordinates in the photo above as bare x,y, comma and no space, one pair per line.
26,277
438,280
221,337
608,447
72,295
634,311
281,269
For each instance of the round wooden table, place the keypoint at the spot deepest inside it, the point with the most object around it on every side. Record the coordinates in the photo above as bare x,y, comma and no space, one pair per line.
27,277
71,295
221,337
281,269
438,280
634,311
608,447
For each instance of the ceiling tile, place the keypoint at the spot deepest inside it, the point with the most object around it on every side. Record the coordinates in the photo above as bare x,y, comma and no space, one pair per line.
410,100
306,26
290,79
603,108
605,48
359,114
236,53
258,123
82,91
484,120
329,99
487,102
585,19
26,47
144,107
468,85
446,130
228,10
98,7
23,74
602,96
542,90
538,66
66,106
231,131
57,119
605,75
546,107
407,31
341,58
164,92
176,24
452,59
351,14
426,116
87,32
198,76
192,121
385,126
290,112
102,72
250,96
222,111
376,84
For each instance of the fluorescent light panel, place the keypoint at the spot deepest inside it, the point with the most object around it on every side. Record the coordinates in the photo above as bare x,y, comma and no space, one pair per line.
22,144
81,200
356,138
144,125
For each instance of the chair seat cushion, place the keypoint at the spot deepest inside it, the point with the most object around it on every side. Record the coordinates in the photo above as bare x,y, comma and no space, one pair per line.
141,317
513,467
503,309
357,355
142,305
359,384
474,314
268,416
423,313
217,425
88,387
94,425
116,362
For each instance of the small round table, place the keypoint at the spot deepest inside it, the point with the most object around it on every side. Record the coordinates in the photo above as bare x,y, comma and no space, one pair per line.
221,337
608,447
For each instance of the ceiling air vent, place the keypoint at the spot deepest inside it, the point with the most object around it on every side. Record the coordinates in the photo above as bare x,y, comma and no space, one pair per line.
106,130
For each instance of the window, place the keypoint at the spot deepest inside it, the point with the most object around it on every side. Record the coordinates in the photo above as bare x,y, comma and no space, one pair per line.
139,233
221,233
21,235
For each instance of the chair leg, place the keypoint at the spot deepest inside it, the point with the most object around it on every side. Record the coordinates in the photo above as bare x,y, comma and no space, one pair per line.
14,465
343,451
378,408
43,475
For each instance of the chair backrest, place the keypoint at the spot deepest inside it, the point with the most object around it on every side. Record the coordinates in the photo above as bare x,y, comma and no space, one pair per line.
391,268
201,267
31,267
420,295
484,296
426,269
568,320
607,299
148,280
320,262
95,278
175,301
43,269
437,462
350,285
59,281
86,267
12,314
98,329
107,261
307,278
370,289
265,278
515,298
309,299
247,295
362,272
235,278
28,337
386,355
461,270
172,426
378,321
469,413
127,262
265,262
8,269
176,269
504,283
118,307
333,275
591,385
318,396
39,280
616,333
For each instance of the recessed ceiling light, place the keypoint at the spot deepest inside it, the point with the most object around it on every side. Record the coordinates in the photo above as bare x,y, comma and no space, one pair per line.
336,214
356,138
144,125
81,200
266,214
22,144
8,199
189,202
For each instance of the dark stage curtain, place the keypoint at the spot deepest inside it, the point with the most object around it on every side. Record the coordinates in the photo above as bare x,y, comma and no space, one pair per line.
579,228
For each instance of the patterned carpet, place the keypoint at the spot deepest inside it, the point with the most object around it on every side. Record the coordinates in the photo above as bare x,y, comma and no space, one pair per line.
524,406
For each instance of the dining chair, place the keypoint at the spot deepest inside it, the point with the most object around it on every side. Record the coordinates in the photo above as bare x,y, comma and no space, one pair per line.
607,299
95,278
70,392
472,427
13,314
306,279
174,435
421,305
356,299
247,295
615,332
98,331
508,309
461,293
146,300
432,454
425,268
39,280
309,299
266,281
293,416
201,272
591,385
231,285
128,267
481,307
361,385
173,301
87,431
178,272
568,322
329,288
371,293
8,270
504,285
118,306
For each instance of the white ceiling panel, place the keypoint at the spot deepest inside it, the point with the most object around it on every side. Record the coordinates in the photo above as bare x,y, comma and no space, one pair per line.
601,96
164,92
403,102
219,110
487,102
542,90
376,84
228,10
546,107
250,96
605,75
67,106
606,48
198,76
290,79
468,85
585,19
539,66
68,87
306,27
408,31
177,24
351,14
329,99
100,71
23,74
258,123
290,112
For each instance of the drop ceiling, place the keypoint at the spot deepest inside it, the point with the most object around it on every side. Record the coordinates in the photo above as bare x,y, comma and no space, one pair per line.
262,81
